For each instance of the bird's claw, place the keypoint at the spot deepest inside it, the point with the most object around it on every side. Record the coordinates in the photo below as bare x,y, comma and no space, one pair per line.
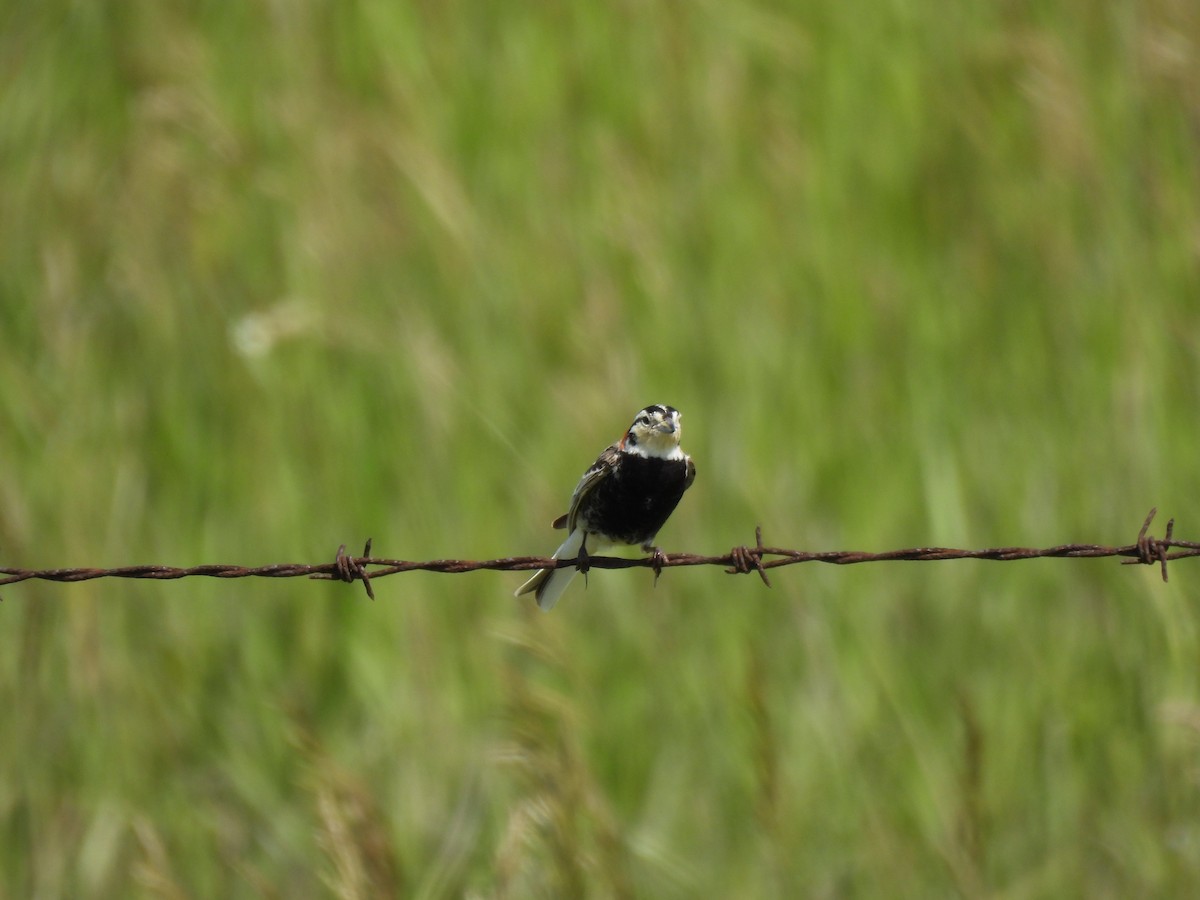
658,559
582,562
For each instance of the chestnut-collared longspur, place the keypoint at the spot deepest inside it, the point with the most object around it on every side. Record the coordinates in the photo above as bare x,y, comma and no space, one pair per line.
624,498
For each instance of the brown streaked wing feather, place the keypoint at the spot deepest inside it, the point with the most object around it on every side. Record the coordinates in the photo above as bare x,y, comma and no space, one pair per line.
599,470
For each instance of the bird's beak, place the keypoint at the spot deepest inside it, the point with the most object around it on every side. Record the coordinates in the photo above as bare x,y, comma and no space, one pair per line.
667,427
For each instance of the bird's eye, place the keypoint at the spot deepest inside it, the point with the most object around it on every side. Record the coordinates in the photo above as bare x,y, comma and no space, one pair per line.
643,420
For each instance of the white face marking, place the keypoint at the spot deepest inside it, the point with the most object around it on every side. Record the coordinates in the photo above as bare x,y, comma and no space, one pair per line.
655,434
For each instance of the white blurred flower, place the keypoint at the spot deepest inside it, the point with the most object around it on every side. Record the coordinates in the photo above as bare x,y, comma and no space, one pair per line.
256,334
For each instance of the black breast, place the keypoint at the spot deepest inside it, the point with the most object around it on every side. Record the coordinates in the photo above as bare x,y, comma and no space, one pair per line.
631,504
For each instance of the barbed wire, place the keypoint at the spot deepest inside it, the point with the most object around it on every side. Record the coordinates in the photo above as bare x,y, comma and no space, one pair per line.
1146,550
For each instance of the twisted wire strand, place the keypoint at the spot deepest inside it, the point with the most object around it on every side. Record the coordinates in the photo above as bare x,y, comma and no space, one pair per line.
1146,550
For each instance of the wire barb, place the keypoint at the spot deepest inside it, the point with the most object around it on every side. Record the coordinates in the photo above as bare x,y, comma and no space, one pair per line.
746,560
1151,550
349,569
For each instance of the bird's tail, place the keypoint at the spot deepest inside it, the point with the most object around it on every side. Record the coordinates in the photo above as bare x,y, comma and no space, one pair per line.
548,584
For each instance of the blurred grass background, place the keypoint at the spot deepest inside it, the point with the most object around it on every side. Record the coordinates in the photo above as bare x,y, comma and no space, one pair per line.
275,277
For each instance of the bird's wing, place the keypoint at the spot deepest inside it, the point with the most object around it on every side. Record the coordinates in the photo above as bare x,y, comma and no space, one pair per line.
599,470
691,474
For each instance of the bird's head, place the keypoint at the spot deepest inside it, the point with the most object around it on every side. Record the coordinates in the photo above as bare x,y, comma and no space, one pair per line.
655,433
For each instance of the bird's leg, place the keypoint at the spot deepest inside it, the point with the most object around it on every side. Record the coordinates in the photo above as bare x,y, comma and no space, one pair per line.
582,565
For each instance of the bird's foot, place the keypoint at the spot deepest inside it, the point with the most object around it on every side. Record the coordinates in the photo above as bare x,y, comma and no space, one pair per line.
582,563
658,559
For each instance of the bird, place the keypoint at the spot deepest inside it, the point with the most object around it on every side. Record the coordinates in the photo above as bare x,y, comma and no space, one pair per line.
623,499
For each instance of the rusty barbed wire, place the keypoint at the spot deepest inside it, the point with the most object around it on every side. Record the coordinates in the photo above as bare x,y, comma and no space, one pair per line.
1146,550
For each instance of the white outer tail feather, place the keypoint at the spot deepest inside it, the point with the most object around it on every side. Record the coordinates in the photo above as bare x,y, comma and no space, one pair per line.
549,584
